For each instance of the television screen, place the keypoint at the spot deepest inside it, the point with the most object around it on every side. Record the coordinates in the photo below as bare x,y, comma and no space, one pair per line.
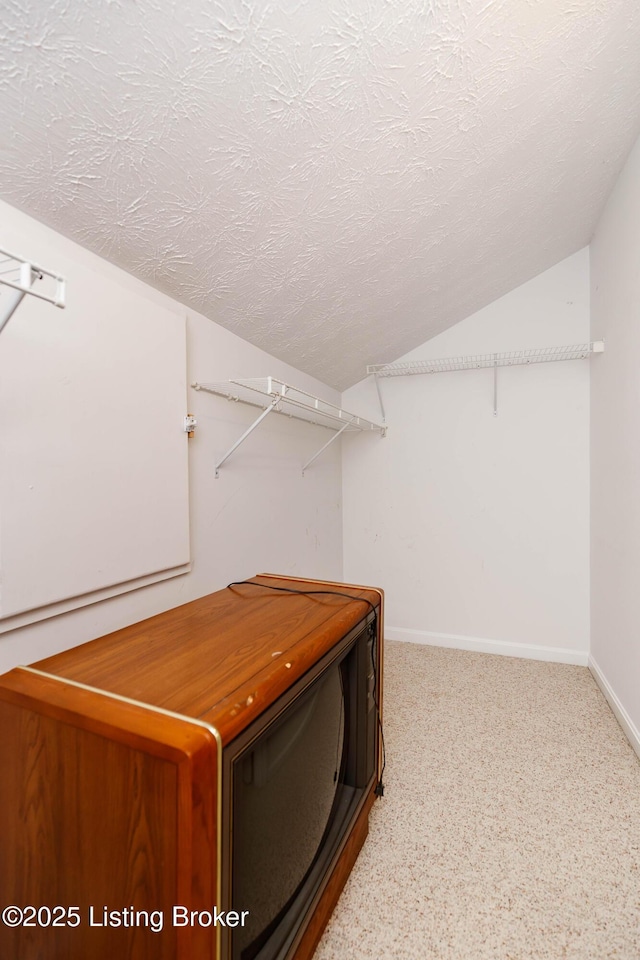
296,784
285,786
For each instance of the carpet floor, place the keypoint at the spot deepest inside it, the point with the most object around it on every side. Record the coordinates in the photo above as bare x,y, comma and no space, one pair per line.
510,824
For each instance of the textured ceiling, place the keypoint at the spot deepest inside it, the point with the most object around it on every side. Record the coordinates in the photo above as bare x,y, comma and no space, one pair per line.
334,180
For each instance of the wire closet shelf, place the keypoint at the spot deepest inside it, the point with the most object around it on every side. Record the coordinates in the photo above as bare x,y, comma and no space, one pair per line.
479,361
576,351
273,395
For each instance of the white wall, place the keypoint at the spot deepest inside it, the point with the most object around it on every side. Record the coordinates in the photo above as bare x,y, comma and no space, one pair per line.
477,526
86,387
260,515
615,450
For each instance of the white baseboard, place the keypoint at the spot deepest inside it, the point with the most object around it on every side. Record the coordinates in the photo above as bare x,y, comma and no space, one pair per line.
529,651
621,715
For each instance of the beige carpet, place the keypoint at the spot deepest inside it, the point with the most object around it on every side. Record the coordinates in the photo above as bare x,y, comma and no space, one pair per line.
510,825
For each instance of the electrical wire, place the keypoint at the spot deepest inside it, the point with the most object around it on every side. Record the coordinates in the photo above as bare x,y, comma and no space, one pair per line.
379,790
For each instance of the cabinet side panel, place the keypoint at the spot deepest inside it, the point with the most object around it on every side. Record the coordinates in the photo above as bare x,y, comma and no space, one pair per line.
88,823
104,804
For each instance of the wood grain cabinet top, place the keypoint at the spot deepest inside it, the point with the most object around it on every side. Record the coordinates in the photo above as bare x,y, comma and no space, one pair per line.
111,764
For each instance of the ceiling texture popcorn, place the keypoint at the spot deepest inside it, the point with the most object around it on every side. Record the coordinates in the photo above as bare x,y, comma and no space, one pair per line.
336,181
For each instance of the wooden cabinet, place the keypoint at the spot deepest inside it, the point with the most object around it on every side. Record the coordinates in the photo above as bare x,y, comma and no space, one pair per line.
111,760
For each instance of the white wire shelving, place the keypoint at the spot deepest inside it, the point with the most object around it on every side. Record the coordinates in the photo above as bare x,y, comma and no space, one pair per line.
275,396
19,275
575,351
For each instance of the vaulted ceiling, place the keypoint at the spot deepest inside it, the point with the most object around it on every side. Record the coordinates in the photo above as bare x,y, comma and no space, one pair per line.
335,181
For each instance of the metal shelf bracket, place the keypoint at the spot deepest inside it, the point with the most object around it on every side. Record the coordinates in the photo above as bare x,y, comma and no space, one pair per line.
324,447
19,275
272,406
576,351
279,397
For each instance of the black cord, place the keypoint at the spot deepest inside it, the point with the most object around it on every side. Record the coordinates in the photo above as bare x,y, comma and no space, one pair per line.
379,789
302,593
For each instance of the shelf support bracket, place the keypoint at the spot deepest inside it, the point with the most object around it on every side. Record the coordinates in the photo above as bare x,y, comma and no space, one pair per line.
324,447
26,272
272,406
377,383
495,384
15,295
